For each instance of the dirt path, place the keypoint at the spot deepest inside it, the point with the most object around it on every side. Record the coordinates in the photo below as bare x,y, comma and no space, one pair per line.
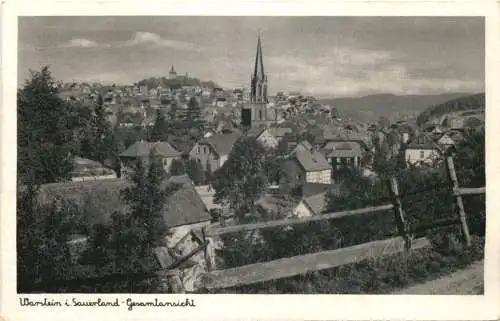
467,281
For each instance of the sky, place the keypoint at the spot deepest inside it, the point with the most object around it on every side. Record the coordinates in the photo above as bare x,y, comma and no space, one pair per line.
321,56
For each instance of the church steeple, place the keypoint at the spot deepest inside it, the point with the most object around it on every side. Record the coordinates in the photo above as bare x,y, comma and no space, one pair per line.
258,84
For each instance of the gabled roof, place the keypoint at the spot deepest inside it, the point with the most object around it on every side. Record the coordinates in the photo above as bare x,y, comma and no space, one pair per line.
86,167
222,143
303,145
143,149
343,149
183,207
312,161
423,141
279,132
316,202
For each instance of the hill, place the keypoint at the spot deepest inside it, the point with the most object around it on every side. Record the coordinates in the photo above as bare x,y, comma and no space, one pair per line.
153,82
404,107
463,105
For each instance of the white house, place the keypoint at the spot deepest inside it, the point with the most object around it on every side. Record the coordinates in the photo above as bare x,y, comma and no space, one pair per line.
314,168
422,151
446,141
263,136
214,150
142,150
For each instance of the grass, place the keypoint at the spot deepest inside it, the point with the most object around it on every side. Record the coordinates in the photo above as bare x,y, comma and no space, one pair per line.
378,276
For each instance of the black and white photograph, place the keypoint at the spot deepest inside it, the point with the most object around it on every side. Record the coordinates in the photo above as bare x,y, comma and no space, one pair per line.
251,155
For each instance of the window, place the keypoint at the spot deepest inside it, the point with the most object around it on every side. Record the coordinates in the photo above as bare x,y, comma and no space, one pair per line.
204,150
260,114
422,154
198,150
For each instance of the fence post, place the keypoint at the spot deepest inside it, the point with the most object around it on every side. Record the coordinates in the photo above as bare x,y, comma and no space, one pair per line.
452,175
399,213
206,252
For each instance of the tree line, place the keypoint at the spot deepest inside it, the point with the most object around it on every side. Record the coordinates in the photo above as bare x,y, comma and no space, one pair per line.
50,133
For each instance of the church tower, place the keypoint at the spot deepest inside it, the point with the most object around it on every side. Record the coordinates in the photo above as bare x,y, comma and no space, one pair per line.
255,113
258,82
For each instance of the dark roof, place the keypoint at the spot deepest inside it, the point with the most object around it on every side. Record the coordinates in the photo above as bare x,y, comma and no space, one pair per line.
306,145
309,189
256,131
222,143
312,161
183,207
423,141
143,149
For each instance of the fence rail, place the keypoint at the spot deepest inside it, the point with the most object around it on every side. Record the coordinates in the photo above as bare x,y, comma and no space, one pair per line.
291,266
288,267
213,231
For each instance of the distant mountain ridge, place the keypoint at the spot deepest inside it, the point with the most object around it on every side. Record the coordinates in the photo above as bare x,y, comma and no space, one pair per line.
394,107
462,104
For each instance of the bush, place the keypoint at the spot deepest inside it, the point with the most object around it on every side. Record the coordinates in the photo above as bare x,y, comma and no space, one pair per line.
376,276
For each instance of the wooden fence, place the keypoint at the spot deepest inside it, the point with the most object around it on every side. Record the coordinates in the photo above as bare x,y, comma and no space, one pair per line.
291,266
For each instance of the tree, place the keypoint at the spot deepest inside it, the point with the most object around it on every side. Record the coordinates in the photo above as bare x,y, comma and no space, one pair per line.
100,100
177,167
209,175
42,232
384,122
146,198
243,177
193,114
172,112
282,148
195,171
102,137
160,127
45,140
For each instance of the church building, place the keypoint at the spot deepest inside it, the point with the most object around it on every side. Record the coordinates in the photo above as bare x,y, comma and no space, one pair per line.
255,113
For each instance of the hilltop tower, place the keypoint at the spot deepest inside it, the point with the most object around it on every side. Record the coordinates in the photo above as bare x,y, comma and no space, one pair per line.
172,74
255,112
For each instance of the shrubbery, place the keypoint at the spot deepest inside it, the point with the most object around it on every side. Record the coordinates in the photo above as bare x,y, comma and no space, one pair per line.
433,201
376,276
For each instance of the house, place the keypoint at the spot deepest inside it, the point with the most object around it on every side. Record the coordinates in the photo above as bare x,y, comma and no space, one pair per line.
184,214
342,153
309,167
141,150
279,132
263,135
310,206
214,150
446,141
86,169
422,150
207,194
303,146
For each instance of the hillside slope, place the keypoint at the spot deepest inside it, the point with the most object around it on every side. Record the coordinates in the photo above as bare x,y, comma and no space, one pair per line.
458,105
372,107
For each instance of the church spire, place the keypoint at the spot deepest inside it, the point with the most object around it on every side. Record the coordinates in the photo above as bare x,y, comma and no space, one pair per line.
259,64
259,78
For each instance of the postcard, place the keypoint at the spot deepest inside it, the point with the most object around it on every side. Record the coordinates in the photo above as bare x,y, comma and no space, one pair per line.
251,160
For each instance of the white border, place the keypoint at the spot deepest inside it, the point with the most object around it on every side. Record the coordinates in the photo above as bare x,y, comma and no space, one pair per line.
253,307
